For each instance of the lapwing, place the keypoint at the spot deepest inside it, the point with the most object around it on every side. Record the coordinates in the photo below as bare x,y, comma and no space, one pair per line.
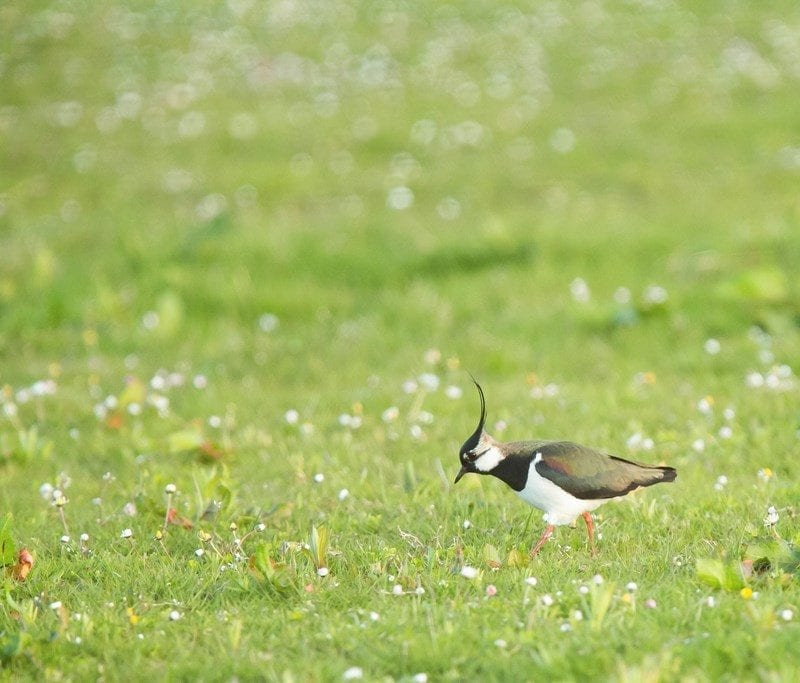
562,478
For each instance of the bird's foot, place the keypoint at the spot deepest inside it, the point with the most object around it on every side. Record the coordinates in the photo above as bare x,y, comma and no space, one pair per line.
547,533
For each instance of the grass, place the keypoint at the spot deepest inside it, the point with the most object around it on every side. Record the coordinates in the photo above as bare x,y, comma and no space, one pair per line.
253,250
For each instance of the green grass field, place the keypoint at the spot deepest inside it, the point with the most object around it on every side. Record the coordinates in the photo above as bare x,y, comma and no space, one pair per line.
252,251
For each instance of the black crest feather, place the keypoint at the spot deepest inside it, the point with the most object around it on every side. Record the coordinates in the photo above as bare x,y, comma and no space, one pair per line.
473,440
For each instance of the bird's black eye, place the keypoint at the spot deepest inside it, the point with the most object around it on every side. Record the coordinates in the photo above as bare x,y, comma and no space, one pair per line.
471,456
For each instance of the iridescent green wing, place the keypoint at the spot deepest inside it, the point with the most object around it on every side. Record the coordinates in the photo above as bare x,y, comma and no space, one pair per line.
589,474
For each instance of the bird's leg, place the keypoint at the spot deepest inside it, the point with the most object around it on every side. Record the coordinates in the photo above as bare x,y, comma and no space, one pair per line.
547,533
590,528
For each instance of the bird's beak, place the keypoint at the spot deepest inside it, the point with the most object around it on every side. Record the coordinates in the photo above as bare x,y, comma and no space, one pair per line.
461,473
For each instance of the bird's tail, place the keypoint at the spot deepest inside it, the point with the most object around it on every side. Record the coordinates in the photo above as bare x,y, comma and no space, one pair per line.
646,475
667,473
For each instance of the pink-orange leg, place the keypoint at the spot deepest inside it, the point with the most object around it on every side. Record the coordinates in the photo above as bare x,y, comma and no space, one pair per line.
590,528
547,533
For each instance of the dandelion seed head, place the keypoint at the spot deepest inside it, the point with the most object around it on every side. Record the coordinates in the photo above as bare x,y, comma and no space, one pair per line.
449,208
547,600
766,356
432,356
429,381
160,403
397,589
549,390
634,441
580,290
126,533
754,380
323,572
453,392
425,417
409,386
531,580
400,198
705,405
169,489
469,572
655,295
622,295
174,615
772,516
562,140
786,614
268,322
353,673
390,414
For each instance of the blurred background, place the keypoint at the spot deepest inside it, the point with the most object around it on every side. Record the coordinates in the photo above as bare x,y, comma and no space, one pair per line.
291,193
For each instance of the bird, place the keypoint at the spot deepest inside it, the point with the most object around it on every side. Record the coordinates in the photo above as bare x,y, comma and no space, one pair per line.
563,479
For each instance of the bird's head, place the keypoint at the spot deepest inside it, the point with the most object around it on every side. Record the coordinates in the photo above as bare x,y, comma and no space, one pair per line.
479,452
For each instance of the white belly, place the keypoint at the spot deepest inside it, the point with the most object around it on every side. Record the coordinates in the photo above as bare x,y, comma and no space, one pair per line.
559,506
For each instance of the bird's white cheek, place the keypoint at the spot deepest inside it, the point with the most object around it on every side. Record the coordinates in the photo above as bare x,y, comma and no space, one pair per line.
488,460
